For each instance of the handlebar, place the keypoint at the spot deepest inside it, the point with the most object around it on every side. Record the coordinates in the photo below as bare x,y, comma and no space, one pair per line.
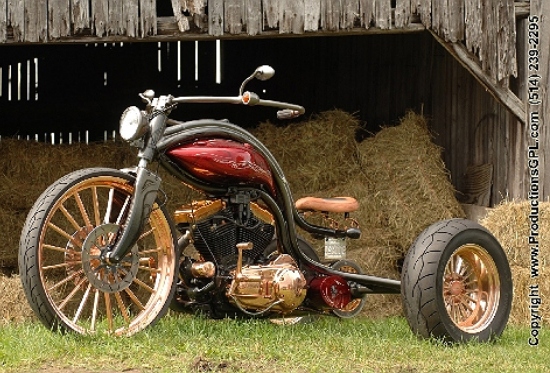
288,111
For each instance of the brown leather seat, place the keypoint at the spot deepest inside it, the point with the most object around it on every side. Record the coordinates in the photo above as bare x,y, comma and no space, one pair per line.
336,204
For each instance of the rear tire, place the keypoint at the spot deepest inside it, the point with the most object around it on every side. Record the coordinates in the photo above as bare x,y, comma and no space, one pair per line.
456,283
66,283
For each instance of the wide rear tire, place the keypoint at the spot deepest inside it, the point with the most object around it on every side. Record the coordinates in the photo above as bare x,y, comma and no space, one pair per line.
66,283
456,284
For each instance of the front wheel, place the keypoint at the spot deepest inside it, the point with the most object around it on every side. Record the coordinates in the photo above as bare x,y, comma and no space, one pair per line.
66,282
456,283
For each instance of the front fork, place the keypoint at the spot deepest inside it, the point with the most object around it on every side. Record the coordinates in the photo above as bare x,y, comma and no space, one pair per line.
145,193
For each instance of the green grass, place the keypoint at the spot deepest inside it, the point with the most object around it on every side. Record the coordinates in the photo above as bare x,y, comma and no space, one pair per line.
194,344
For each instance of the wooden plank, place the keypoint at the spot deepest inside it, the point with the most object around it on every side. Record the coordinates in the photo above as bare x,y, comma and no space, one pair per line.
349,12
215,17
445,22
291,16
148,17
330,15
130,11
502,35
472,20
233,16
3,21
253,17
59,18
115,22
512,38
366,13
16,19
36,21
522,9
178,7
455,20
402,13
503,95
100,11
436,22
312,10
424,9
271,13
197,9
80,15
383,19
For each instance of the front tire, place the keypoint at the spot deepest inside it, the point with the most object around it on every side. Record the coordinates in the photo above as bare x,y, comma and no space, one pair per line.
456,283
67,284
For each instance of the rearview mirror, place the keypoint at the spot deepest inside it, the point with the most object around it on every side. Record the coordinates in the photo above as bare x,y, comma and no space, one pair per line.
263,72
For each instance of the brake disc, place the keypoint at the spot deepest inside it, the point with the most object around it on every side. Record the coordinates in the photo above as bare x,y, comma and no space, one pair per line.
109,278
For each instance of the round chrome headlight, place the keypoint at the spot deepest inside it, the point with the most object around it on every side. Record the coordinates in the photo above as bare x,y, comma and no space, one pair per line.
132,124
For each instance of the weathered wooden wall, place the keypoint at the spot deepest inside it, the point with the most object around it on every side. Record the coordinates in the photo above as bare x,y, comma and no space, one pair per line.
486,27
475,132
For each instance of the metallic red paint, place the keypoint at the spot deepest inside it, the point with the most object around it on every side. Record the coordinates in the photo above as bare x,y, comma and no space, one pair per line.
331,291
222,161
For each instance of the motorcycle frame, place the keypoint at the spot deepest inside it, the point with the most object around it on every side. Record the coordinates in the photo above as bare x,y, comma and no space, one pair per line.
281,205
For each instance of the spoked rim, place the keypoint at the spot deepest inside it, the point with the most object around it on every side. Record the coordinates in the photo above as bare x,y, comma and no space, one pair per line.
356,304
471,288
86,294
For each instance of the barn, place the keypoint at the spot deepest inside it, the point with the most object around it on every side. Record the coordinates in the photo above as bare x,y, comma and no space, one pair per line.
478,69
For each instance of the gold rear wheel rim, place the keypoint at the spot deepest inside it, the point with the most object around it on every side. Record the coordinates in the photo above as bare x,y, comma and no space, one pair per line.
471,288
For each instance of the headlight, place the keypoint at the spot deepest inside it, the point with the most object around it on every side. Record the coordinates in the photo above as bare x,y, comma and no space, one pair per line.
132,124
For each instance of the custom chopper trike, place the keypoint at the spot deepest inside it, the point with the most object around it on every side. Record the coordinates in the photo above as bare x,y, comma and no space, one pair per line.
99,251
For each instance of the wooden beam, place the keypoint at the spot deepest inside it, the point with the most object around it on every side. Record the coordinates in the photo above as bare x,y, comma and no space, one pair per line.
502,94
98,27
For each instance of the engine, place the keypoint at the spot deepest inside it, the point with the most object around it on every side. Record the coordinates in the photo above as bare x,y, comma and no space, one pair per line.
235,242
277,286
239,264
218,227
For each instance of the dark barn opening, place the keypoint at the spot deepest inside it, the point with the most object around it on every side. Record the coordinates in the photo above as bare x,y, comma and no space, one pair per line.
377,77
58,92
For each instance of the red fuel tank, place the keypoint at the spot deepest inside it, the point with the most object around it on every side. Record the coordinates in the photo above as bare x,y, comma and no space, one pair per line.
222,161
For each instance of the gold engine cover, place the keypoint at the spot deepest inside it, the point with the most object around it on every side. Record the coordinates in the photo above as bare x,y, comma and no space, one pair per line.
278,286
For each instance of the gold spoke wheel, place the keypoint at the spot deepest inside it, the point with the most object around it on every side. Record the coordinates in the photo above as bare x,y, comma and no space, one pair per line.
78,290
471,288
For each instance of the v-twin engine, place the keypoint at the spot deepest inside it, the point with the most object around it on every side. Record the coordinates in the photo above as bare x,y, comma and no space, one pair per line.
236,242
216,237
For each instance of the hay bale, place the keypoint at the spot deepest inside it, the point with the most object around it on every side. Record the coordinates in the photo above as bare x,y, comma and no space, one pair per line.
14,307
400,182
28,168
509,223
316,154
397,176
410,186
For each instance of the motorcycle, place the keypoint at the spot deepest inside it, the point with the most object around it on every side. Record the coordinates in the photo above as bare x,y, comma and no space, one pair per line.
100,253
